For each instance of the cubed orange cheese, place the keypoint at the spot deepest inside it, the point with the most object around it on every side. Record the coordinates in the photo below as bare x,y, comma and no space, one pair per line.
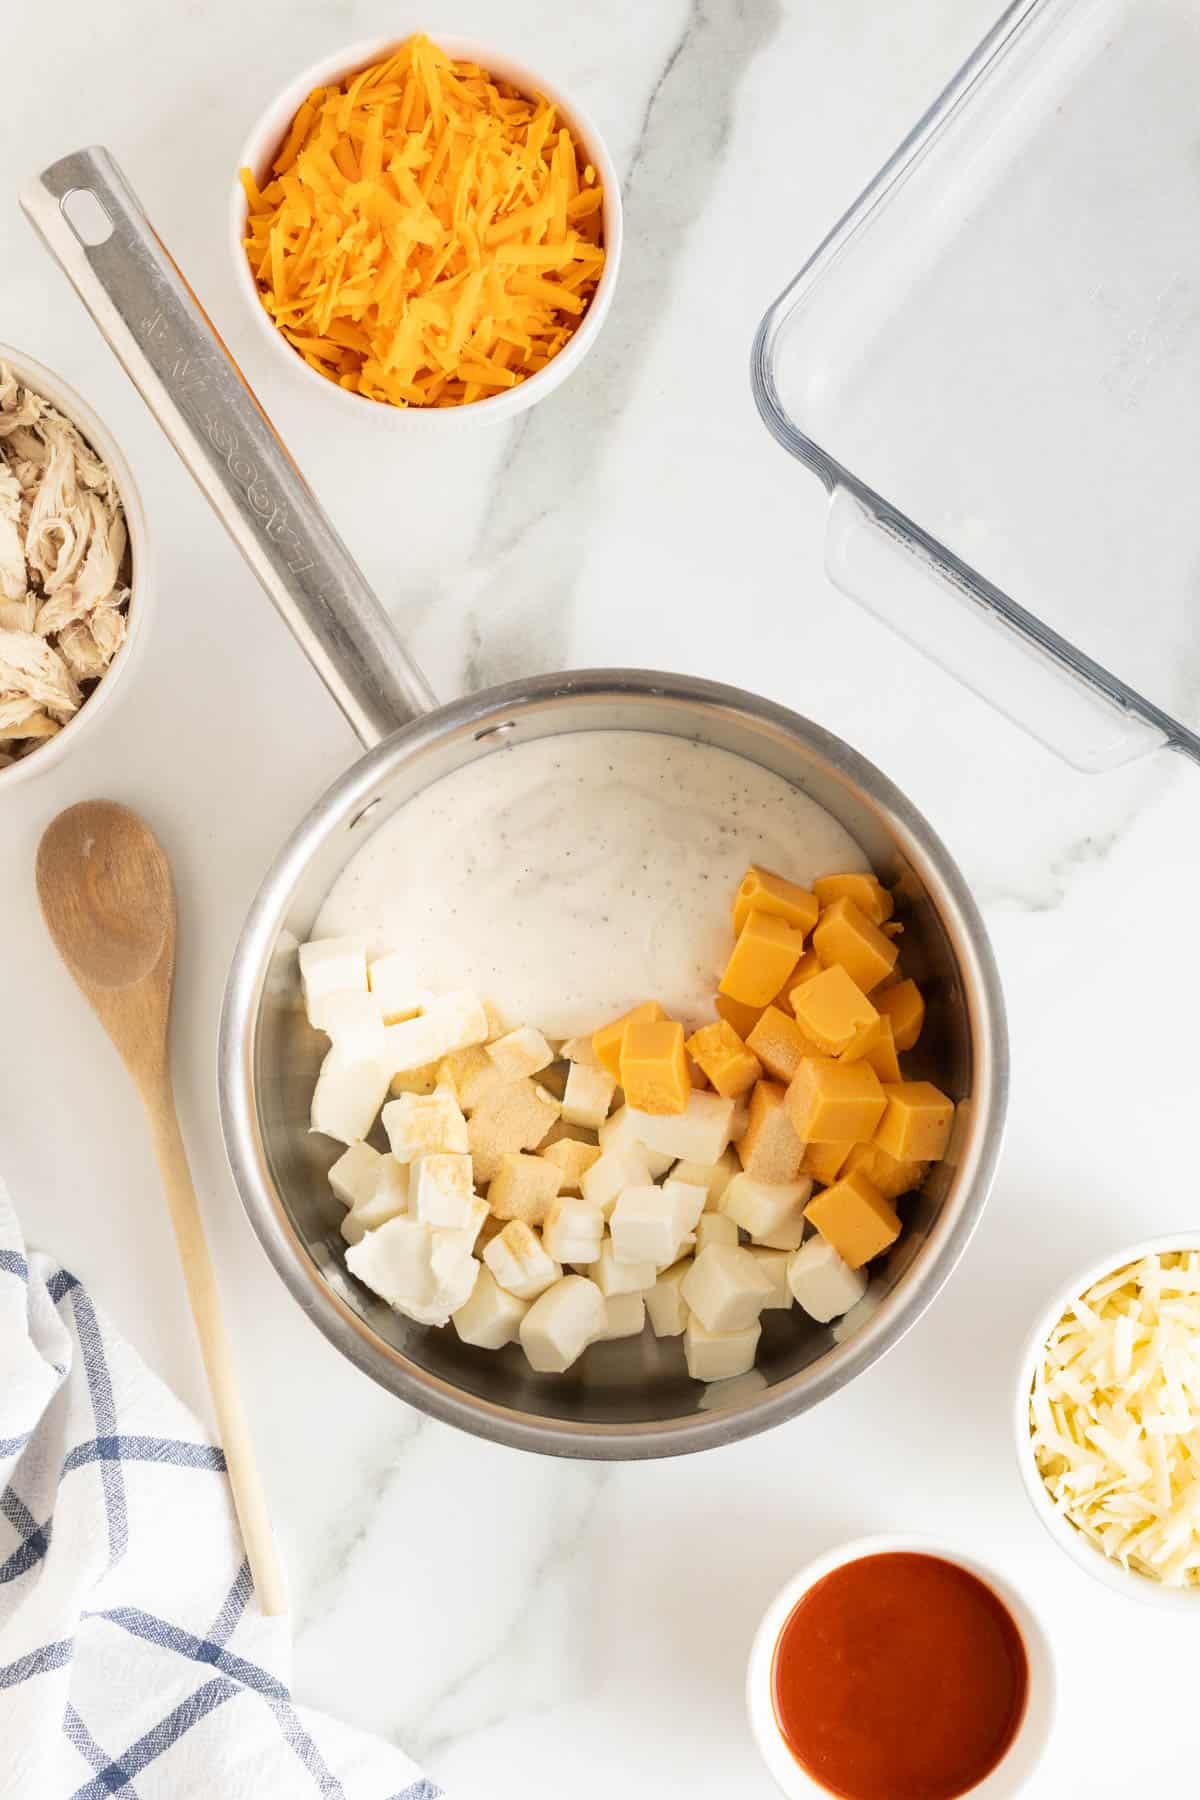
825,1162
654,1071
765,954
808,966
769,1149
876,1045
867,893
832,1009
854,1217
760,891
720,1054
779,1043
846,937
916,1125
905,1007
835,1103
892,1178
742,1018
607,1041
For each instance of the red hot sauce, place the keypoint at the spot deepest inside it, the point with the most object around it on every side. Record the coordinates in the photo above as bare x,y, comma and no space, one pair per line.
899,1677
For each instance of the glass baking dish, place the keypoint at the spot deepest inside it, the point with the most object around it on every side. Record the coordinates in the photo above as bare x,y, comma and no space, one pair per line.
993,365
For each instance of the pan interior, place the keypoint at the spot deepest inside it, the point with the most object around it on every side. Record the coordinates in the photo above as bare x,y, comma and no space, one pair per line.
633,1382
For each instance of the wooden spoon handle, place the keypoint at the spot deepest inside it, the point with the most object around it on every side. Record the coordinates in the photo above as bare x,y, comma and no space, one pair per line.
248,1497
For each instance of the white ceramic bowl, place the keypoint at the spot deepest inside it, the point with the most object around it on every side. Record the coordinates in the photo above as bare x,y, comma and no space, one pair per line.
1066,1535
268,134
1009,1778
99,702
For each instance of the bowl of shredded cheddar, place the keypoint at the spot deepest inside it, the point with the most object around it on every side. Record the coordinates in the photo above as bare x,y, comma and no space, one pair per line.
430,228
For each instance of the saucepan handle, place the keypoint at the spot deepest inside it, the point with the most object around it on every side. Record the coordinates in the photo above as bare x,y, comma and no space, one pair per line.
90,220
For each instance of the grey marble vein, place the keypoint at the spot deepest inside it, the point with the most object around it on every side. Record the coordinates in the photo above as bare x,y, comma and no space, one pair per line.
471,1701
1110,808
374,1478
524,562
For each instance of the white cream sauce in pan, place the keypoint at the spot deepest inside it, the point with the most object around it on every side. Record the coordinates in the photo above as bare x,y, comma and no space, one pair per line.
568,878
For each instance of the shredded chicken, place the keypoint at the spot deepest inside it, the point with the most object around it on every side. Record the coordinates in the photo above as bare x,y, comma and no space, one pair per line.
64,569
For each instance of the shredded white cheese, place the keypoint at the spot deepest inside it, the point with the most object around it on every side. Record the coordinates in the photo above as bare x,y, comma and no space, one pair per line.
1115,1417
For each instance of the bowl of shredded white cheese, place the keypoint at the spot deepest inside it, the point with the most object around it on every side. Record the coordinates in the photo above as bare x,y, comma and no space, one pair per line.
73,573
1108,1421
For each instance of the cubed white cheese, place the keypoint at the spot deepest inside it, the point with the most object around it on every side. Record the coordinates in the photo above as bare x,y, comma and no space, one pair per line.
521,1052
422,1080
347,1098
587,1096
713,1177
353,1024
615,1171
613,1277
477,1217
561,1324
733,1390
581,1050
387,1200
619,1134
701,1134
491,1227
355,1174
450,1022
523,1187
471,1075
715,1228
520,1262
441,1192
353,1229
774,1265
645,1228
688,1201
396,1261
455,1272
425,1273
498,1025
665,1303
574,1231
491,1317
772,1213
726,1289
823,1285
716,1355
420,1124
397,992
514,1116
624,1316
572,1160
329,965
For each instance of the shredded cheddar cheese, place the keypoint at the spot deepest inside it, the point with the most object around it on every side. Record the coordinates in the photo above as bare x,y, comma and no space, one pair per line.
429,235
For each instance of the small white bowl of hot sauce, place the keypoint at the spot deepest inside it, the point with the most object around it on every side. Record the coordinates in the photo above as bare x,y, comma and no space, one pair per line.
898,1668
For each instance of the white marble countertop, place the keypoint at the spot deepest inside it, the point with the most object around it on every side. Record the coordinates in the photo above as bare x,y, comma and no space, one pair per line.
641,516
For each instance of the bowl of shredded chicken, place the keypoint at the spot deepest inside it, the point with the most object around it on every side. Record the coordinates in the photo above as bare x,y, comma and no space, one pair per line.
70,525
1108,1421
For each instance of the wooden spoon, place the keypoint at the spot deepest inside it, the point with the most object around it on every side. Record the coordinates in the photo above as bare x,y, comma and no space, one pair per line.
107,897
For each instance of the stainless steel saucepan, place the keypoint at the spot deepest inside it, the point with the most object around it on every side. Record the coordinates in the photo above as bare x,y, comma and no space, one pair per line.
630,1398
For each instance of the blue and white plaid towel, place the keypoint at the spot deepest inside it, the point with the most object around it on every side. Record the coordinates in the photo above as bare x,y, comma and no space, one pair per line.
133,1660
